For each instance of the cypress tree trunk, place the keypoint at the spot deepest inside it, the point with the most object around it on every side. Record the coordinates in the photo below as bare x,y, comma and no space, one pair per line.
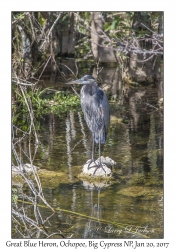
101,51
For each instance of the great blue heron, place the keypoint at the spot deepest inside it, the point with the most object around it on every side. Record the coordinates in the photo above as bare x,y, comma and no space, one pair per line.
95,106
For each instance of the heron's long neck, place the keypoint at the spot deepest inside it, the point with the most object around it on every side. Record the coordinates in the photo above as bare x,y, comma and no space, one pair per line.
91,88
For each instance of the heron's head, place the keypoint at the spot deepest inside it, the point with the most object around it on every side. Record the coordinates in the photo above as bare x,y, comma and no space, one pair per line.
87,79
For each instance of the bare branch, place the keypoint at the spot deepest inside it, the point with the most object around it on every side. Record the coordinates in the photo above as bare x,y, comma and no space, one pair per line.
145,59
147,28
47,38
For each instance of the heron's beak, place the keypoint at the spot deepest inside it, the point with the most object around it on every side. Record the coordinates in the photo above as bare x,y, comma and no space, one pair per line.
75,82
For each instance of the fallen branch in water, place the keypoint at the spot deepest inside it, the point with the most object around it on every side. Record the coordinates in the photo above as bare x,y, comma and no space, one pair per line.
123,226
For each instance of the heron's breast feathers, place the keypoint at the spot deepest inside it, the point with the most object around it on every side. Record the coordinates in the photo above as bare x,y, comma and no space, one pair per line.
94,107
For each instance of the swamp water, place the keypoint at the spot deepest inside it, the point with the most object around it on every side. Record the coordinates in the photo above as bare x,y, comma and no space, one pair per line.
130,205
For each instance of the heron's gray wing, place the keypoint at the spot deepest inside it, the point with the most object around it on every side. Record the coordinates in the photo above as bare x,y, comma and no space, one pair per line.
96,112
105,114
106,110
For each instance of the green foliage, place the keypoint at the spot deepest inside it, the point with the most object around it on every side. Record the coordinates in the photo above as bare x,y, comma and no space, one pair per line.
43,103
14,196
64,22
82,29
18,15
85,17
64,101
154,17
118,25
41,19
113,23
110,142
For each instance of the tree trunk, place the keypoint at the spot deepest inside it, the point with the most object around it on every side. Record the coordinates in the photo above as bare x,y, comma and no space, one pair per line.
100,50
26,52
160,27
66,34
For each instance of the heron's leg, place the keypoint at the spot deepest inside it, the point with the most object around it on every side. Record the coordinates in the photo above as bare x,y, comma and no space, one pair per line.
92,157
93,135
99,164
99,148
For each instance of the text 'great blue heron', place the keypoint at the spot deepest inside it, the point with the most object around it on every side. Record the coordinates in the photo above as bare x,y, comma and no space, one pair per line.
95,106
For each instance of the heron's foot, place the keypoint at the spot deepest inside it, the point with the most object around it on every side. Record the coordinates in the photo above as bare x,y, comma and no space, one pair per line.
95,165
90,162
100,165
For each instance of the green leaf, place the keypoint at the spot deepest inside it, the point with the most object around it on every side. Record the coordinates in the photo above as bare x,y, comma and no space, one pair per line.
107,26
114,24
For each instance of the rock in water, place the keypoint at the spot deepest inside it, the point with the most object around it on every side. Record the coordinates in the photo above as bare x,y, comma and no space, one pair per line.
26,168
100,171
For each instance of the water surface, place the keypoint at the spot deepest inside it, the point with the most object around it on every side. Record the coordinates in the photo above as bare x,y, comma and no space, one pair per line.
130,206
